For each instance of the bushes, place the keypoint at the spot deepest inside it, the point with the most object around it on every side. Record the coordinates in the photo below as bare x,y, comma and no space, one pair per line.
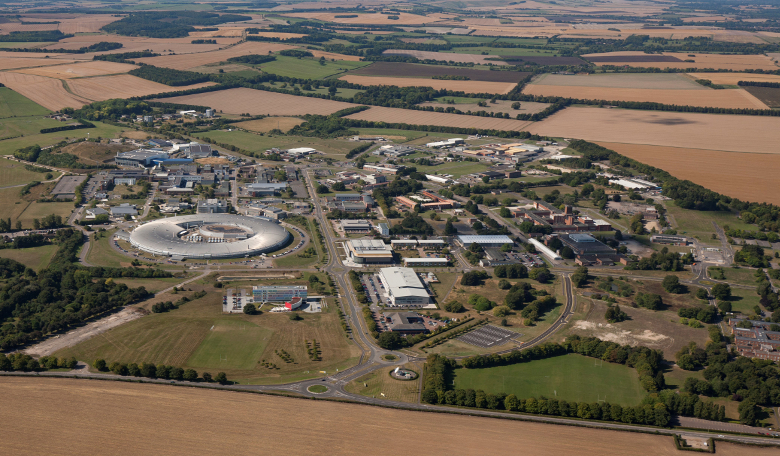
474,278
82,124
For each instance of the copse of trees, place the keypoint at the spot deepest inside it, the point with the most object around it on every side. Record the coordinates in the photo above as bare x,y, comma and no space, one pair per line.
169,76
168,24
252,59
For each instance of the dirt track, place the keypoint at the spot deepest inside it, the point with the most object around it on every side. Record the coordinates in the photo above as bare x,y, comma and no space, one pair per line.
158,419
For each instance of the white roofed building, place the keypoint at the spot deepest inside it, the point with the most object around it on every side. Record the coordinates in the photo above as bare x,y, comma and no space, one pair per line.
404,287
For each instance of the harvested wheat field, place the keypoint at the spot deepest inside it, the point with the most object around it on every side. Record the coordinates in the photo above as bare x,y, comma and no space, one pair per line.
12,63
370,18
86,23
47,92
139,43
408,116
122,86
280,35
260,102
727,98
8,27
676,129
161,419
739,175
447,57
187,61
438,84
503,106
734,78
232,32
270,123
677,60
80,69
664,81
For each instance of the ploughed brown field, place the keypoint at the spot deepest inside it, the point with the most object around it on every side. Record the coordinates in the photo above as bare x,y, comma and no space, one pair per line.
78,416
257,102
727,98
739,175
408,116
438,84
47,92
446,56
187,61
122,86
768,95
676,129
411,70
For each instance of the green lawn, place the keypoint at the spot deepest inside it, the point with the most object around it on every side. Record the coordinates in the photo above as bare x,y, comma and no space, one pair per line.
744,301
408,134
36,258
32,126
737,275
309,68
257,143
14,173
699,223
569,377
13,104
219,347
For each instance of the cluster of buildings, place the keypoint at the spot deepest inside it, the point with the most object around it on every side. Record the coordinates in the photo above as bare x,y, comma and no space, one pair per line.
427,200
375,251
164,152
394,151
293,297
383,168
515,152
759,341
588,250
351,178
293,154
544,214
350,202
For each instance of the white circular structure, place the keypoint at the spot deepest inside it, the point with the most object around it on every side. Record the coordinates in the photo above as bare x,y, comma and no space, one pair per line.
210,236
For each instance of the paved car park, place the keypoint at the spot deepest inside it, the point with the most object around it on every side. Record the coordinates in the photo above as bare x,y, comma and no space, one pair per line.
488,336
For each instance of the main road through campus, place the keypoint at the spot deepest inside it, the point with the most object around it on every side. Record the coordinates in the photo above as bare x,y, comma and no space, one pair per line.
371,359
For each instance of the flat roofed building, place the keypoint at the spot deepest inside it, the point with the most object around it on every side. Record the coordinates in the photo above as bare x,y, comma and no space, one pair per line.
369,251
278,293
140,157
431,244
404,287
405,322
423,262
212,206
384,230
356,226
403,243
484,241
123,209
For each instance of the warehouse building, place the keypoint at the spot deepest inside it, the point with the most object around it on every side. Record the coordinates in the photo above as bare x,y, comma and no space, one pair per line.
426,262
484,241
140,157
369,251
404,287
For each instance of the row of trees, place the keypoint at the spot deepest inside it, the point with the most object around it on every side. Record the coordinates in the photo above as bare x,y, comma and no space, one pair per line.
163,371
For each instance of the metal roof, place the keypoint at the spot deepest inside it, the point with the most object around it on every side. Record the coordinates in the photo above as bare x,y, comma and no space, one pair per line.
492,239
403,282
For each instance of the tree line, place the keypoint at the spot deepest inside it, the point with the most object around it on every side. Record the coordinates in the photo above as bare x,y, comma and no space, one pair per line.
169,76
162,371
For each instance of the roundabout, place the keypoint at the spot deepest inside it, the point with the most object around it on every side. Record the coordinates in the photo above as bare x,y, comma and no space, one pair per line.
207,236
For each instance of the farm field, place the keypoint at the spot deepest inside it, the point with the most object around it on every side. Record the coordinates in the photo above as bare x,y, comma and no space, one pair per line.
47,92
13,104
269,123
187,61
687,130
80,69
767,95
36,258
734,174
729,98
363,18
14,173
459,86
122,86
668,81
28,60
447,57
404,116
25,125
332,56
734,78
677,60
140,43
46,139
552,377
309,68
206,419
505,106
257,102
413,70
504,52
197,335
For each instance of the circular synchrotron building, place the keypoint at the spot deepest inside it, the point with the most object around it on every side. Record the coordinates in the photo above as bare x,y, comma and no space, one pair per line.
210,236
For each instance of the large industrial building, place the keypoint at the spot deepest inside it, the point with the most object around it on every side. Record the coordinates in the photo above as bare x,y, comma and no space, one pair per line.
404,287
209,236
140,157
279,293
484,241
369,251
544,214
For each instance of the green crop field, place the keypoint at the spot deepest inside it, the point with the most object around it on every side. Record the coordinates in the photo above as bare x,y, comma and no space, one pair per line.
36,258
569,377
29,127
309,68
13,104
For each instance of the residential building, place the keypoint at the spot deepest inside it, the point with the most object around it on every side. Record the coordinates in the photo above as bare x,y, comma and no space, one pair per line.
404,287
278,293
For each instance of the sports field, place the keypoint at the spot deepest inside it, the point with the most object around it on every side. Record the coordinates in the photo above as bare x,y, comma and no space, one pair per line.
730,173
569,377
218,421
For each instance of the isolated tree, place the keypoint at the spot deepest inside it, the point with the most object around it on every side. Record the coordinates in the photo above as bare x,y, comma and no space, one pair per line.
250,309
671,284
701,293
389,340
722,291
